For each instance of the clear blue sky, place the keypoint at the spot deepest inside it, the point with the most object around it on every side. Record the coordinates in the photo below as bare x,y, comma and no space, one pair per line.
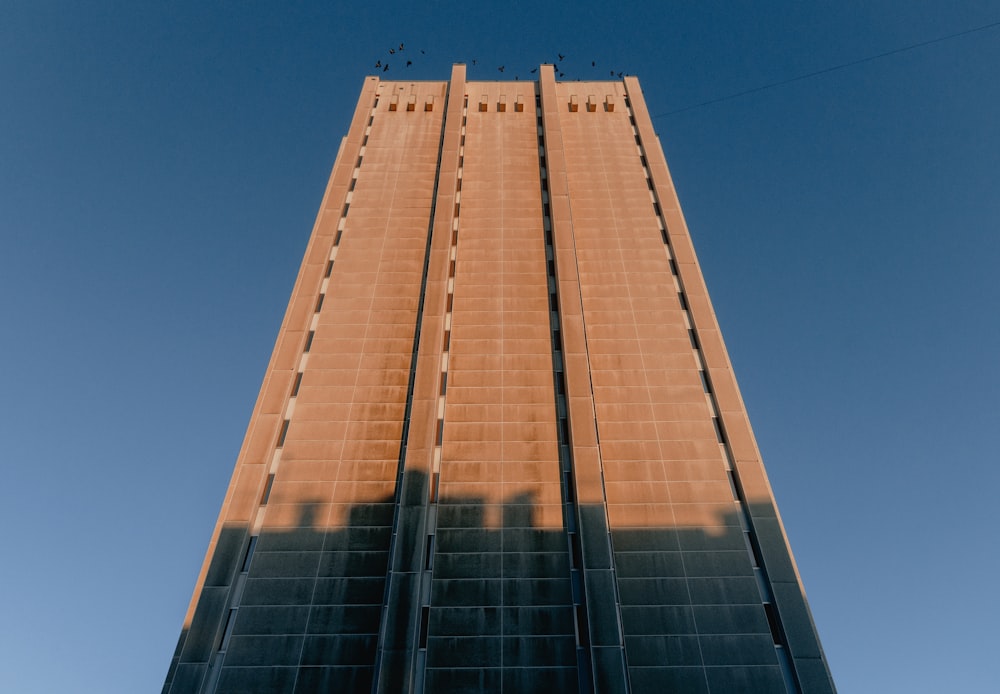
161,165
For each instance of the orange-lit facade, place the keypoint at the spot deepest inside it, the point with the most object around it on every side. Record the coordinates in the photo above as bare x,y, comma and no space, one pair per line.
499,445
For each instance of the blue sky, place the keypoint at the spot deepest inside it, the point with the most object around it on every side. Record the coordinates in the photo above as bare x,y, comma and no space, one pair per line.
161,165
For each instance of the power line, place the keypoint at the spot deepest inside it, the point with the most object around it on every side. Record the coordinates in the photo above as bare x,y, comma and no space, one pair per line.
824,71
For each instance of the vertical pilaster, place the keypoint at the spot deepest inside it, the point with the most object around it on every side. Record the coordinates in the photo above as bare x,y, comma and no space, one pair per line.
408,579
607,648
783,592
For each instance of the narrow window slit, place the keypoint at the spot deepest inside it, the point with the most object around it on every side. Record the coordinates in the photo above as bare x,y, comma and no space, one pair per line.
267,489
719,434
251,546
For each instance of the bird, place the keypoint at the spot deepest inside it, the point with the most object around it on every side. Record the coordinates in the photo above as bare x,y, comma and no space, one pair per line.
378,63
612,73
473,61
593,63
534,71
401,46
562,74
409,63
561,56
516,77
619,74
500,68
423,52
392,51
386,67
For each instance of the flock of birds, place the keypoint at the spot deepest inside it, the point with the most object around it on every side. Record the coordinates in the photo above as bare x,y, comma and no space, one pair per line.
395,57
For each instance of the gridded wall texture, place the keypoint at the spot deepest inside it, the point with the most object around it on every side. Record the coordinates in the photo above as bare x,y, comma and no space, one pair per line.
499,445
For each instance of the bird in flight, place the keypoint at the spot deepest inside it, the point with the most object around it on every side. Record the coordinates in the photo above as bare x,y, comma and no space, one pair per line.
500,68
534,71
409,63
561,57
386,67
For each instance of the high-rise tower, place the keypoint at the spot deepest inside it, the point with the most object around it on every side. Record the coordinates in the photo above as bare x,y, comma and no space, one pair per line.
499,445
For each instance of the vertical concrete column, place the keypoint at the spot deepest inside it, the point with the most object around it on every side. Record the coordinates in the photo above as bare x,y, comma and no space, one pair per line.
396,664
811,669
607,652
225,550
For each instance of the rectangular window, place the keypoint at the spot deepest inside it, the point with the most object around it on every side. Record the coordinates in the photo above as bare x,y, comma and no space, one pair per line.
227,632
732,484
576,555
581,625
309,340
267,489
425,614
251,546
429,557
283,434
719,434
329,269
298,382
772,622
704,382
319,302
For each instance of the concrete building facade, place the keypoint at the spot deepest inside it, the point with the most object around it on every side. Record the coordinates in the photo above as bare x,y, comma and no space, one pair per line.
499,445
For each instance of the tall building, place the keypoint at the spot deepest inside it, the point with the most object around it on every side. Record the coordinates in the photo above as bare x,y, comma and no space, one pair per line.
499,445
